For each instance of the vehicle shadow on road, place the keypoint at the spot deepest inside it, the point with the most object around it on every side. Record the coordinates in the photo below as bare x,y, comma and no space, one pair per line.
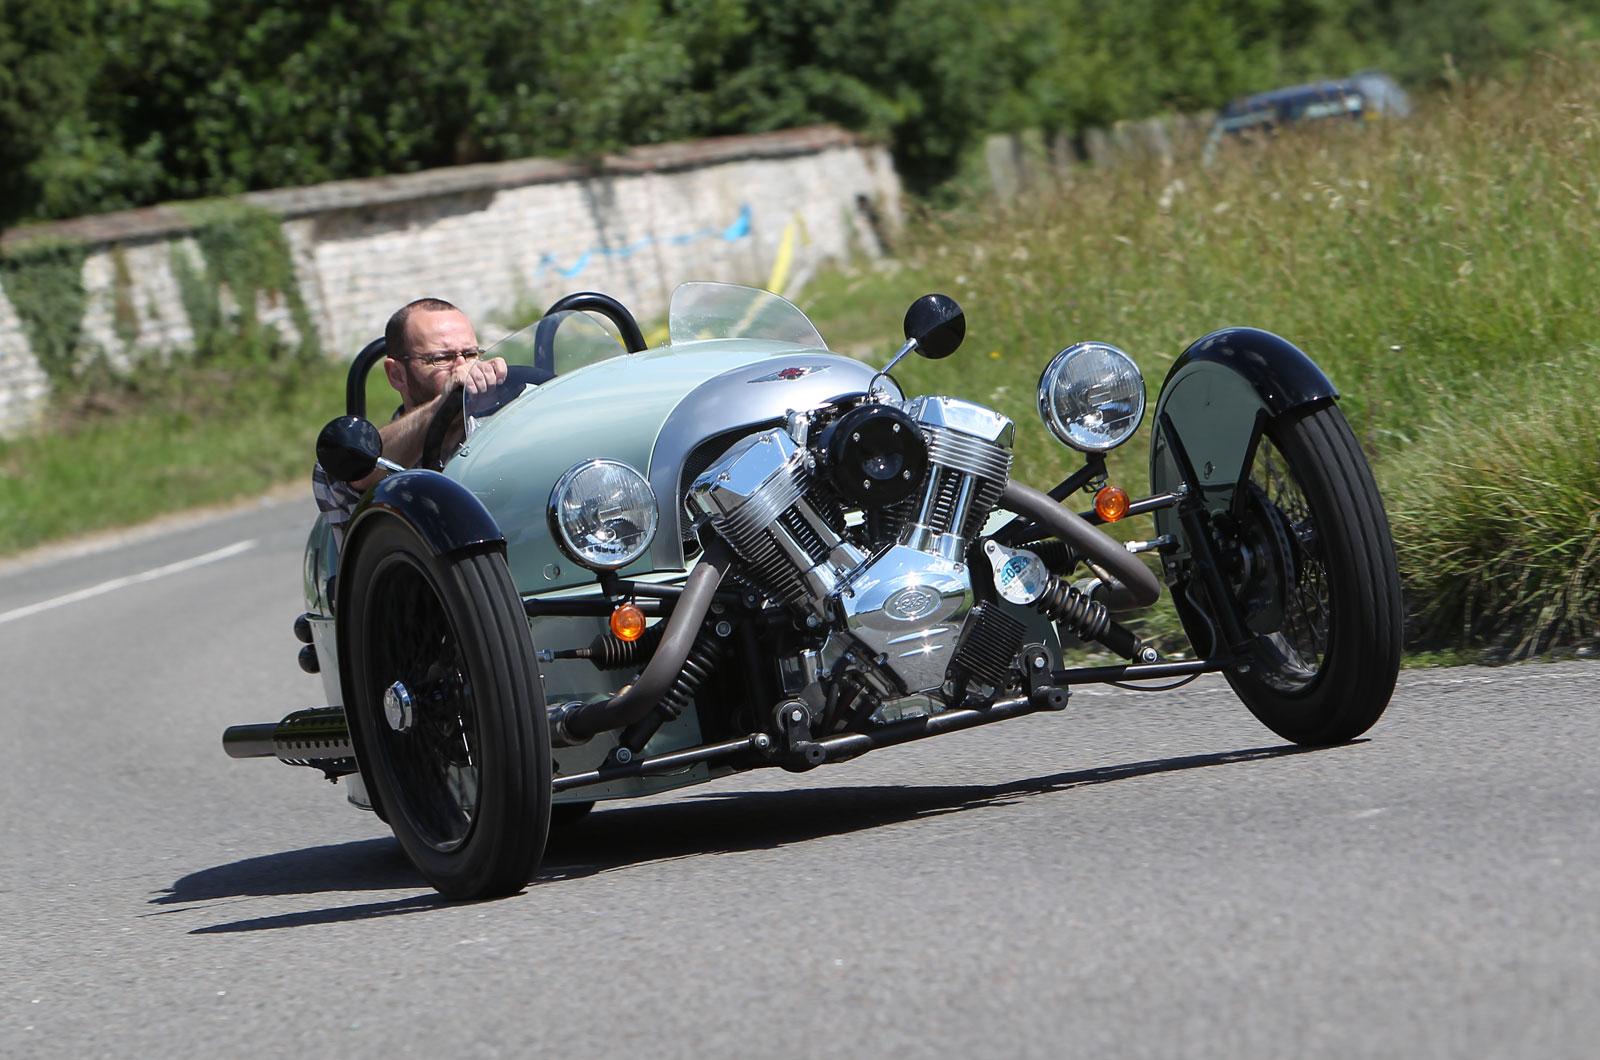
626,835
729,822
362,865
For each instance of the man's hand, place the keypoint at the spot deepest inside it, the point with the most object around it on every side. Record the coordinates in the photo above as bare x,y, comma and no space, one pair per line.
402,438
480,375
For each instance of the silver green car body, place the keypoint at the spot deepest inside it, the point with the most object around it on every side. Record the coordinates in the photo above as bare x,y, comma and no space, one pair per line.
653,410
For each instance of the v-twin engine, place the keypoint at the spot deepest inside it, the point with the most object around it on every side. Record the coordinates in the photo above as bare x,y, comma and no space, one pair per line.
888,585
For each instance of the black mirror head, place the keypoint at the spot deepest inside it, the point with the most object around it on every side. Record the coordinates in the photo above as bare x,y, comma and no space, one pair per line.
348,448
938,325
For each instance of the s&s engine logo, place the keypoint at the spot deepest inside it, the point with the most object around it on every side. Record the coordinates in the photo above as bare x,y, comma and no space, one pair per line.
912,603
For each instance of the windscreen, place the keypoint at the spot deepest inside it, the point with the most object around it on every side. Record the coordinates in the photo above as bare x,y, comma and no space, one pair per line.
728,311
551,346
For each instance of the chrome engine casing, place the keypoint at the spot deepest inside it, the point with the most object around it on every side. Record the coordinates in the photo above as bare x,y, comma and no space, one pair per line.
714,415
755,497
891,608
969,464
903,613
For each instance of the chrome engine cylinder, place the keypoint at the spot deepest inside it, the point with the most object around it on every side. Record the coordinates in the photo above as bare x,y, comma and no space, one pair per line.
969,464
895,615
755,497
906,606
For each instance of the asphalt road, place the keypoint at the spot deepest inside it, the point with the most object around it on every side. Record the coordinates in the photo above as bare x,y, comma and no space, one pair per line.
1146,875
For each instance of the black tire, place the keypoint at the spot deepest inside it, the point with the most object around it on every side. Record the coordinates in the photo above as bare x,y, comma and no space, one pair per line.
462,772
1310,562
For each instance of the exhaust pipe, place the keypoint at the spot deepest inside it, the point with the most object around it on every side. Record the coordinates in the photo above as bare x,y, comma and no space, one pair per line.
577,722
318,734
1135,585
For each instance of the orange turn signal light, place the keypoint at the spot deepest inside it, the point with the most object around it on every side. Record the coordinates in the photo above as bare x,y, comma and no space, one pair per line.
1111,503
627,622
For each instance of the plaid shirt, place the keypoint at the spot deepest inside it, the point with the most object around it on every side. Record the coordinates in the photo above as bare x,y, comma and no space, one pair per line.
337,500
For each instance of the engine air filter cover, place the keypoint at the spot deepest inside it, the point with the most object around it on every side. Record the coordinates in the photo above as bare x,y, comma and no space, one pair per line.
876,454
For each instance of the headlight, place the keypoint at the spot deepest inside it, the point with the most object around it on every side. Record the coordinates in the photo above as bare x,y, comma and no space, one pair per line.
603,514
1092,397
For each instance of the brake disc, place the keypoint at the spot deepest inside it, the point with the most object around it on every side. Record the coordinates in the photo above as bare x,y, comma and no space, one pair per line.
1265,569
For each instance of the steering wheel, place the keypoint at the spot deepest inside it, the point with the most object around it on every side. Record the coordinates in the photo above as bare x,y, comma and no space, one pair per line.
451,406
444,417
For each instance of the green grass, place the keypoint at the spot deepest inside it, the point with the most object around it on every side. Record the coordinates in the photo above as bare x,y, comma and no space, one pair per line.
1440,270
1499,529
196,434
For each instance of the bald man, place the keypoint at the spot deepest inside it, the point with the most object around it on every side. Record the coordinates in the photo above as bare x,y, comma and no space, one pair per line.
433,354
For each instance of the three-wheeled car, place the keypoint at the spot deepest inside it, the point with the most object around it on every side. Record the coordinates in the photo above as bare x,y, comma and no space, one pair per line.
631,569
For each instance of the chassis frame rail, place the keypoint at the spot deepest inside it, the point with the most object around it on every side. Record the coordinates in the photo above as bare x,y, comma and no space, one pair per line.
320,735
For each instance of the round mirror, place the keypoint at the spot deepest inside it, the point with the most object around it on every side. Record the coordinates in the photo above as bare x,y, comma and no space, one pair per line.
937,324
348,448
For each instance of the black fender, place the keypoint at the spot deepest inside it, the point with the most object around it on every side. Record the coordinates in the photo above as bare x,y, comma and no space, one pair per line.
443,512
1213,406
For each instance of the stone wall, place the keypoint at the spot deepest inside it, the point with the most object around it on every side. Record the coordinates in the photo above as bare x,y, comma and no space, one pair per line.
1016,163
500,240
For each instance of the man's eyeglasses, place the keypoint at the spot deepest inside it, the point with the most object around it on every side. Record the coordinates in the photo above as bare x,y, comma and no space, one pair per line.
444,358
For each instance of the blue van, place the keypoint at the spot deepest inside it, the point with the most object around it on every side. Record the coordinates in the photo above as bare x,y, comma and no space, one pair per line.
1362,97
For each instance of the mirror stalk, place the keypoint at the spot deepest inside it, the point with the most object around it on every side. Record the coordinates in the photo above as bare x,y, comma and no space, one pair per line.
872,386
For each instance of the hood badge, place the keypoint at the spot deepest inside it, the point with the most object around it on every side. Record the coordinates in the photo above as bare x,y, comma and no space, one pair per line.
791,373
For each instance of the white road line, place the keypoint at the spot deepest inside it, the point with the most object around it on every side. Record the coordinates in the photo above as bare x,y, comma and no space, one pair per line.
131,579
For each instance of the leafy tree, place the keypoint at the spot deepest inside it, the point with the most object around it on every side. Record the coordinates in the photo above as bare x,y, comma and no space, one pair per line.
46,64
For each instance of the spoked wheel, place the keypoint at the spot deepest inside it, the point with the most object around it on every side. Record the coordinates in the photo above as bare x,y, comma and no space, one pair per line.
447,713
1310,563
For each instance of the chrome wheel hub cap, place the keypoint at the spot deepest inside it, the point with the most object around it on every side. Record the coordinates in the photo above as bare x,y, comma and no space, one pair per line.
397,707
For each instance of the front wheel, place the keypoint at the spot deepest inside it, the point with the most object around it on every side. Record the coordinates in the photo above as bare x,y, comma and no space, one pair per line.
1310,565
446,711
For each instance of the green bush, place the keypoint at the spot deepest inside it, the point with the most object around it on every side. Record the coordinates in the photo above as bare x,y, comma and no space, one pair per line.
244,253
43,281
47,63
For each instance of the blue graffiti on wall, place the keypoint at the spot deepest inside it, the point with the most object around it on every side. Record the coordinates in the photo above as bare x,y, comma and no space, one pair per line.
739,229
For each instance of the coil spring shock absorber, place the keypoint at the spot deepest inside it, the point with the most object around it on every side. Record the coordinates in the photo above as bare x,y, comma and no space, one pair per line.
705,655
1087,618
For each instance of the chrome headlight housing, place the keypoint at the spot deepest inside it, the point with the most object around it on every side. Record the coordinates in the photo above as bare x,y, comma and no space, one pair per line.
603,514
1091,396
